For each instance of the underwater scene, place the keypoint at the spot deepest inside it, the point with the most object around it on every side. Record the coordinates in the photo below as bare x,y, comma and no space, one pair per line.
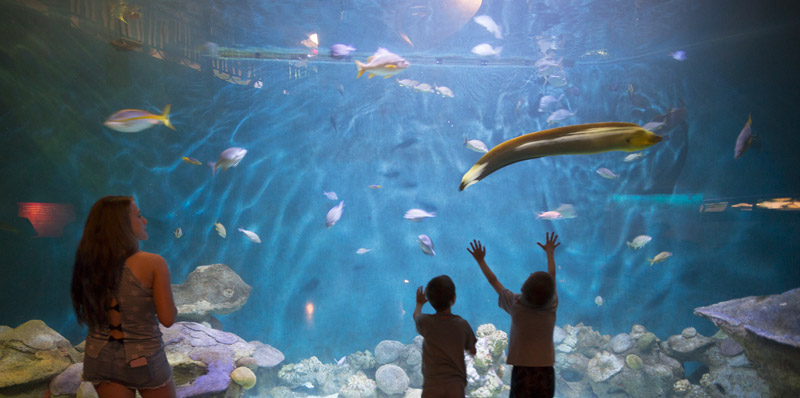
334,156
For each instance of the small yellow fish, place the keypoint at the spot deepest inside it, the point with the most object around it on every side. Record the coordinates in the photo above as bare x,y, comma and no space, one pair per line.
220,229
178,233
659,257
375,186
191,161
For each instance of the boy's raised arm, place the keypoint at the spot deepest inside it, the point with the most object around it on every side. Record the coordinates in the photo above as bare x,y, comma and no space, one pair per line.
550,247
479,252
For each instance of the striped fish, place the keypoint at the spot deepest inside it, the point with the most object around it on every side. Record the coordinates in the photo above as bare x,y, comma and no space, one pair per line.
136,120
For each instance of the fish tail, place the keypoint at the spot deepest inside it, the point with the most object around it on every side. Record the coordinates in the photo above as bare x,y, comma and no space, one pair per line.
651,261
360,69
749,119
165,117
213,168
630,246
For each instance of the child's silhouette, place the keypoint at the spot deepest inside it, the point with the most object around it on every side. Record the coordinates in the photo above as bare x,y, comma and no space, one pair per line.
533,318
447,336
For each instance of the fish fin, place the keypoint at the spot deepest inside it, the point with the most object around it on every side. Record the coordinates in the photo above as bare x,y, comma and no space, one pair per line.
165,116
391,66
371,75
360,69
387,76
213,170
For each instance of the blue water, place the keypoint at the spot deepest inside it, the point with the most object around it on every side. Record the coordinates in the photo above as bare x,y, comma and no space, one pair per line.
328,131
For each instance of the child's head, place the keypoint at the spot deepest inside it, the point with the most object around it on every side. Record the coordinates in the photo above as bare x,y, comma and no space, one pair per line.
539,289
441,292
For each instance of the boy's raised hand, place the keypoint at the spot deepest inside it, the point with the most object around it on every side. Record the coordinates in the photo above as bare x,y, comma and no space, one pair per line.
421,296
550,244
477,251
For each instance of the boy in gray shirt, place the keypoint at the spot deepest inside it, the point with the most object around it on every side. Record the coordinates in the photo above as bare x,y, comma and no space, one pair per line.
533,318
447,336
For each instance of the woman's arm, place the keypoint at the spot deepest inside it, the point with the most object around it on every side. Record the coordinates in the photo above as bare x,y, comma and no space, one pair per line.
162,291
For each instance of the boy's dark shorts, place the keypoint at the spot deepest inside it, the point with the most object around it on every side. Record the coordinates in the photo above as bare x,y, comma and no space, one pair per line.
110,366
533,382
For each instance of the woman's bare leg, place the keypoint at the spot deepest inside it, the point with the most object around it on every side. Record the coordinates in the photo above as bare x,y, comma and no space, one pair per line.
165,391
113,390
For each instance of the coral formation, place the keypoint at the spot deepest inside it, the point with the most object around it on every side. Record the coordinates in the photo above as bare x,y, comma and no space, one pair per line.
211,362
388,351
767,328
210,289
244,377
391,379
359,386
603,366
634,362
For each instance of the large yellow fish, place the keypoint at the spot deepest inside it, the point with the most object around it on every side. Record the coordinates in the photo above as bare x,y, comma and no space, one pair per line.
382,63
579,139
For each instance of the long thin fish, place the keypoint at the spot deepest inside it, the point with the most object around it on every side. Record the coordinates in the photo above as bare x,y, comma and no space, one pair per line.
579,139
744,139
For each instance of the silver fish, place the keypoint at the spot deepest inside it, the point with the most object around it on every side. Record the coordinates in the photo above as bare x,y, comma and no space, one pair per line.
488,23
444,91
417,215
548,102
639,242
606,173
334,214
632,157
426,244
559,115
250,235
476,145
228,158
486,50
744,139
330,195
424,87
341,50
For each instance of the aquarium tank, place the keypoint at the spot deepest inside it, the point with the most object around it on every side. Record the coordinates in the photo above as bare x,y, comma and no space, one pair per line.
327,158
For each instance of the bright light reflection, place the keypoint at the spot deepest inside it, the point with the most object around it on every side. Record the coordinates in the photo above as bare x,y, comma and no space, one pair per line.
309,312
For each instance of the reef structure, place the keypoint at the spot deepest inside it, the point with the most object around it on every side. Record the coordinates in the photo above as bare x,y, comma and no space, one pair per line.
768,328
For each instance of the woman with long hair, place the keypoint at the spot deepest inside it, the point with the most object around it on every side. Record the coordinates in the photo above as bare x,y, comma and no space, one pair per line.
121,294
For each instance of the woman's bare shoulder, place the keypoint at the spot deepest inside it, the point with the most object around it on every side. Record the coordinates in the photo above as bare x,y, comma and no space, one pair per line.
146,259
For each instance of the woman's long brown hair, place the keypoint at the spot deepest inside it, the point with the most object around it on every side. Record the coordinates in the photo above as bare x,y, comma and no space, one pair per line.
107,241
